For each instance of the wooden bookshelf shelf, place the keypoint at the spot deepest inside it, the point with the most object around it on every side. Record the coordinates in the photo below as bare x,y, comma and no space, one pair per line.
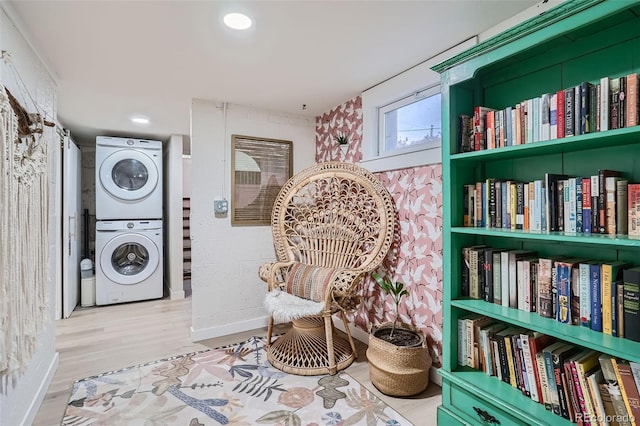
582,336
589,141
565,237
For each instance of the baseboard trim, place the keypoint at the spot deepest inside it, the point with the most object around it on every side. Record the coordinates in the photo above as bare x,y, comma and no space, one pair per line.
224,330
363,336
32,412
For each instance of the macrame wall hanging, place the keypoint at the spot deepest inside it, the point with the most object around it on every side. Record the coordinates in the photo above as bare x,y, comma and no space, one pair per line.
24,236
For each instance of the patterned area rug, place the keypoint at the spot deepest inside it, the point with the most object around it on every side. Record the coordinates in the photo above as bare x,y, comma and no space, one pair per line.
233,385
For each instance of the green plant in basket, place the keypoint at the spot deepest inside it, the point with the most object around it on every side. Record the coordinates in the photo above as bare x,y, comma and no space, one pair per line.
395,289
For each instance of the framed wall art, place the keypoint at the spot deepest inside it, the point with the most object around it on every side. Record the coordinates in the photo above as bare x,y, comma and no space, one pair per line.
260,167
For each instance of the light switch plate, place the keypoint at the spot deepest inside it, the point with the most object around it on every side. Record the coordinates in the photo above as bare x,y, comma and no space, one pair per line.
220,206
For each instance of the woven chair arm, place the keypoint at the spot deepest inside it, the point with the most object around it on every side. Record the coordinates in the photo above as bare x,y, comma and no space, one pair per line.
272,274
343,295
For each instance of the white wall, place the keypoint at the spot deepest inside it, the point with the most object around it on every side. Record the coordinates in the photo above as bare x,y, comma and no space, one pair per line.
19,402
227,293
173,216
186,176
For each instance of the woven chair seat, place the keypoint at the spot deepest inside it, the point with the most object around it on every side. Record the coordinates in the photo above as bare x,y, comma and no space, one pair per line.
332,224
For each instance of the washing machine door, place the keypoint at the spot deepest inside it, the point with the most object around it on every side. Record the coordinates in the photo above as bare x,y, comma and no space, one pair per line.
129,174
129,258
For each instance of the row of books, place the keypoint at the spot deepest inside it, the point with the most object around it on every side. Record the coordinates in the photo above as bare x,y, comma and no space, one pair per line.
605,203
581,385
611,103
600,295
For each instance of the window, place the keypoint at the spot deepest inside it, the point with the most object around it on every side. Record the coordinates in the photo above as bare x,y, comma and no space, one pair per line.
401,117
411,123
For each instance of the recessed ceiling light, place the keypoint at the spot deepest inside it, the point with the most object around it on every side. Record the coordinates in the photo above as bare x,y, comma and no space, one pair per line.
140,120
237,21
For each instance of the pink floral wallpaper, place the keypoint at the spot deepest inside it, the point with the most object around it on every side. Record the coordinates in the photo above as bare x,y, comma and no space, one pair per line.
345,119
416,258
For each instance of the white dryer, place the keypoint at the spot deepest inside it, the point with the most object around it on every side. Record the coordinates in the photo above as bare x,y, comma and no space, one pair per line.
128,261
128,178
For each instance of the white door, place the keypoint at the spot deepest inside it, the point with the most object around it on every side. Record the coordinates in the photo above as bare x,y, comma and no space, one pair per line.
71,170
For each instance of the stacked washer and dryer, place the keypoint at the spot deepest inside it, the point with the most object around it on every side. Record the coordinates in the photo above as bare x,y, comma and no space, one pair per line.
129,220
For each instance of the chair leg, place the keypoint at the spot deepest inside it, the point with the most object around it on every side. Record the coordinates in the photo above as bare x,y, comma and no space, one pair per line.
269,332
328,326
348,331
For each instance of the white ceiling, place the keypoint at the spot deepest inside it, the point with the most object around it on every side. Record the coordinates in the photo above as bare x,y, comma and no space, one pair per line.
114,59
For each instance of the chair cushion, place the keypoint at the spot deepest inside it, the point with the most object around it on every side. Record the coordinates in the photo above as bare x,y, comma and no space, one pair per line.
310,282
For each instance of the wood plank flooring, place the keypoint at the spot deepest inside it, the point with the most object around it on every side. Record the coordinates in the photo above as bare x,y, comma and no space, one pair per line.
100,339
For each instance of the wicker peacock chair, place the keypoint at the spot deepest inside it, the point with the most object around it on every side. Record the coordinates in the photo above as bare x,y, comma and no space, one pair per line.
332,224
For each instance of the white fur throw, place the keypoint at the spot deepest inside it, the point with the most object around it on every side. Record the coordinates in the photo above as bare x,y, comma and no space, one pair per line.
285,307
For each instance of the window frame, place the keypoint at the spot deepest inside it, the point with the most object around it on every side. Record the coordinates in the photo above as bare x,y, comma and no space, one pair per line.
418,96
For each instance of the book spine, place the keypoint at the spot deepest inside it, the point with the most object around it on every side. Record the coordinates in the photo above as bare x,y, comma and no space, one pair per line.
621,209
545,305
544,385
497,278
605,291
553,116
585,295
604,104
620,307
529,367
462,342
596,300
586,205
560,384
614,103
474,290
610,205
488,276
504,277
633,209
560,113
569,112
631,298
633,100
595,197
564,292
578,204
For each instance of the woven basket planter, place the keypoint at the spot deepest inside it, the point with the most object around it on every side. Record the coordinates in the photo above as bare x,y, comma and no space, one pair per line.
398,370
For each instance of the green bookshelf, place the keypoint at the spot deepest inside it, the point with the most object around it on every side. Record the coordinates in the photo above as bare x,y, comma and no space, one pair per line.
577,41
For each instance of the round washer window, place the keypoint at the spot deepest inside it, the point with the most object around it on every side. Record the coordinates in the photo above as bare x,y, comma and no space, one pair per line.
130,259
130,174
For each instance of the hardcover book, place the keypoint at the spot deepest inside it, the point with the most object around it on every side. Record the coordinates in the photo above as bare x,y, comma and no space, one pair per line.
551,198
633,100
603,174
611,272
631,296
621,210
633,209
604,104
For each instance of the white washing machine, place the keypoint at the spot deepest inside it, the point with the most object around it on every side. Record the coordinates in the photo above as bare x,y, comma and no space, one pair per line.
128,178
128,261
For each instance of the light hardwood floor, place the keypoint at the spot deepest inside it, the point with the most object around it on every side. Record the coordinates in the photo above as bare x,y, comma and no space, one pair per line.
100,339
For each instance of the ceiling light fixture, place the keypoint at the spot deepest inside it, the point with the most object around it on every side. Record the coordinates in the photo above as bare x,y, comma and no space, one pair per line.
237,21
140,120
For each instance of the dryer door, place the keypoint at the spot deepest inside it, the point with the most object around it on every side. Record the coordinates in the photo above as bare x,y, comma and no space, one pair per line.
129,174
129,258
